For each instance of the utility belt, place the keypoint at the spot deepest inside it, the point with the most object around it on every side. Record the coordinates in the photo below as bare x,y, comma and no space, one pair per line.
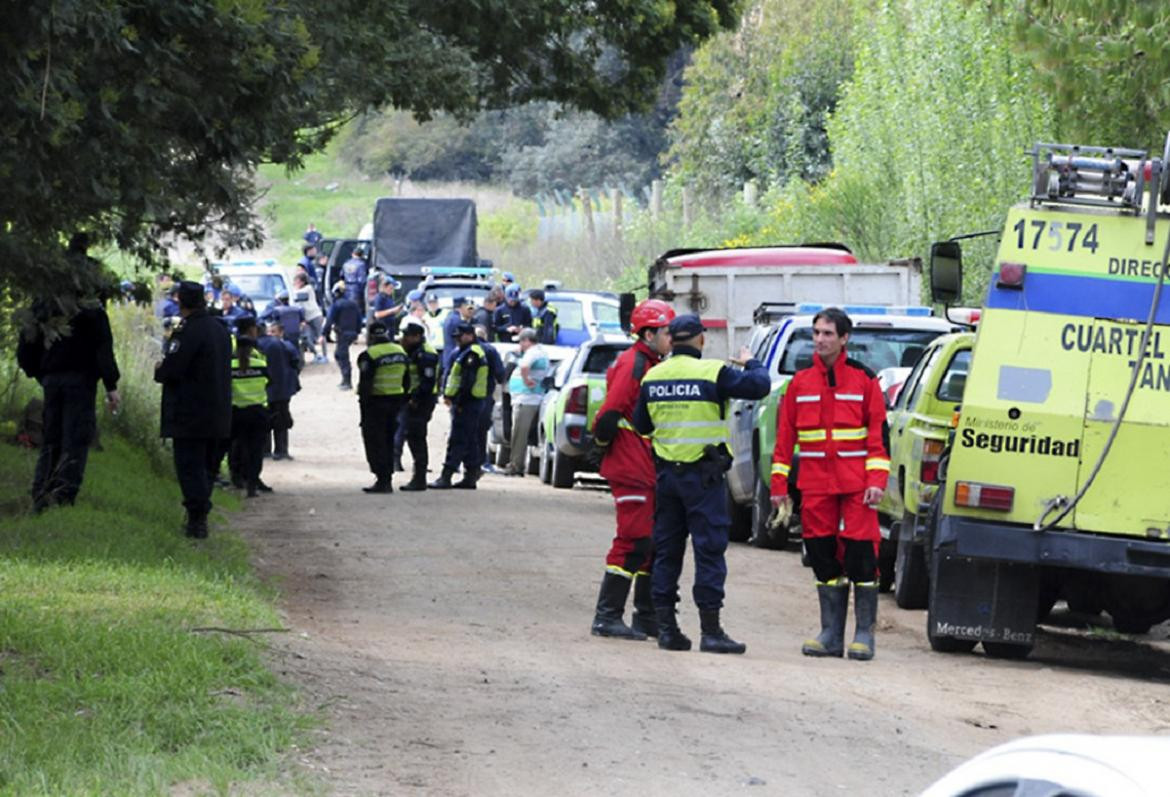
715,460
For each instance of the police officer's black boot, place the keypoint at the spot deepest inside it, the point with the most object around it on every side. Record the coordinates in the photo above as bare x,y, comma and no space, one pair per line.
417,482
714,638
196,527
467,482
865,600
644,619
381,485
444,480
611,602
834,599
670,637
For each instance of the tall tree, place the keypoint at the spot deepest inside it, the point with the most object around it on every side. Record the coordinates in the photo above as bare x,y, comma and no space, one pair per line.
137,119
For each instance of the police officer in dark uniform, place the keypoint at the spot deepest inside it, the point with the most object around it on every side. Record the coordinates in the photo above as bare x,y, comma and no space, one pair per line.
381,391
196,401
422,371
464,393
346,316
681,407
355,273
496,375
544,318
512,316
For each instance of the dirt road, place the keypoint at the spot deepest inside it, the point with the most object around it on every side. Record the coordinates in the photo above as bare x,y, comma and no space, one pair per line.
446,635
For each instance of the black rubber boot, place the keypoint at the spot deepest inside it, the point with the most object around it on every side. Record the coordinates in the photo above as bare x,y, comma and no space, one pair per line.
417,483
611,603
196,525
398,468
467,482
382,485
253,490
280,444
670,637
644,619
834,606
714,638
444,480
865,600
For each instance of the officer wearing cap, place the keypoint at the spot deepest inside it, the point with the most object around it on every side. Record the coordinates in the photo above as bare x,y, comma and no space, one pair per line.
681,407
386,309
230,311
464,392
196,378
422,390
354,273
346,316
461,311
512,316
544,317
381,391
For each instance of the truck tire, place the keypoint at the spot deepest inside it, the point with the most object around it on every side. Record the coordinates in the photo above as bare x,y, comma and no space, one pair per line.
1006,650
741,520
1125,624
887,552
546,463
563,470
531,462
911,579
946,644
762,536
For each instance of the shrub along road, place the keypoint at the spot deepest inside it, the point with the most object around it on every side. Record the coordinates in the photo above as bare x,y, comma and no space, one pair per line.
446,636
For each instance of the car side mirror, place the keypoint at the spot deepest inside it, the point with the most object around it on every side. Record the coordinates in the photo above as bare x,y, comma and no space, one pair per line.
946,272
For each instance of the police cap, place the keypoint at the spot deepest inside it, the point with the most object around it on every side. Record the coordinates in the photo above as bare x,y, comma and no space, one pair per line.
464,328
378,329
412,326
685,327
459,301
191,295
415,296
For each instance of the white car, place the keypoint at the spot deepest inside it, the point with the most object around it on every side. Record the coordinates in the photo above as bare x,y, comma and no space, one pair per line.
259,280
1066,765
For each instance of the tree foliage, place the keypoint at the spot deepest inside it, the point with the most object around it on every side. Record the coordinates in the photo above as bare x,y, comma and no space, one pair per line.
756,101
134,120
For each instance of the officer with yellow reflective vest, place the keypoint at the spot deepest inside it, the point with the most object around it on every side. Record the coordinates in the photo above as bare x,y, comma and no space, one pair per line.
464,392
381,392
681,408
249,405
422,387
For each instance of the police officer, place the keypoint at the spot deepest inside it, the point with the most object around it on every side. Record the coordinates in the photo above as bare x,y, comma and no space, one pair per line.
249,405
422,370
196,378
628,466
834,409
386,309
381,391
544,318
496,373
511,316
461,311
345,314
354,273
284,367
230,309
681,407
464,393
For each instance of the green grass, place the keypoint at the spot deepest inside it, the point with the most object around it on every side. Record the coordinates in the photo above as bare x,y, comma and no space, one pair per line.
104,687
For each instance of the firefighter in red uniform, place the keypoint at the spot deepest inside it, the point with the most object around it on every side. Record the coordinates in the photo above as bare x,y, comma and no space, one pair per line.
834,410
629,468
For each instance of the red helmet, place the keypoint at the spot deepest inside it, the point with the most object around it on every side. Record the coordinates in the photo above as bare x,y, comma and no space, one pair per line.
652,313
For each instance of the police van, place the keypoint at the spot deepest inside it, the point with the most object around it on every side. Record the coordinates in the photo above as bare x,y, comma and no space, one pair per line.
1056,481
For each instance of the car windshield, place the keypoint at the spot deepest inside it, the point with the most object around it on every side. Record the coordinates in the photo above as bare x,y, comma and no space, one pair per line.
473,292
569,313
874,347
600,358
607,315
259,287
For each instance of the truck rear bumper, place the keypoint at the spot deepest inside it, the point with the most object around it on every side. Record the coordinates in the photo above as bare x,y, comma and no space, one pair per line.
980,539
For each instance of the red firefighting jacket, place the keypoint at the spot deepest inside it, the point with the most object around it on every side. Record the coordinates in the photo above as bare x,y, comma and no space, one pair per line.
838,418
627,458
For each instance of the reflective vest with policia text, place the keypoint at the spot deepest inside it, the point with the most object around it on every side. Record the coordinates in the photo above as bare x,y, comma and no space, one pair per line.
682,399
389,363
413,377
250,385
455,379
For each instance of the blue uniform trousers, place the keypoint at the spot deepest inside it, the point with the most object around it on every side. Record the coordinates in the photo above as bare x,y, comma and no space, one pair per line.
485,427
463,443
196,462
412,432
690,499
69,424
341,354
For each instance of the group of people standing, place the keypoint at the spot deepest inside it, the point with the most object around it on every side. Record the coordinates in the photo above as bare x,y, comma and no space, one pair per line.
664,433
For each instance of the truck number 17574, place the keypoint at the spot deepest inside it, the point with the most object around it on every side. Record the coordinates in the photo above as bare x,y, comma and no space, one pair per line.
1057,235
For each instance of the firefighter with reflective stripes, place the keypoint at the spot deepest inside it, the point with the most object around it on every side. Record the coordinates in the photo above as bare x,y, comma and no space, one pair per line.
381,392
249,405
464,392
835,412
681,407
629,469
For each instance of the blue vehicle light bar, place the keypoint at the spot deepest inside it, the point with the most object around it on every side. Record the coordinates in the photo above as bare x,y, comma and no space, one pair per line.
809,308
458,271
232,263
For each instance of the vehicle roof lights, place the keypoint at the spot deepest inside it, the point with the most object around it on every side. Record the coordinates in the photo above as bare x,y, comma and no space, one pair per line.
809,308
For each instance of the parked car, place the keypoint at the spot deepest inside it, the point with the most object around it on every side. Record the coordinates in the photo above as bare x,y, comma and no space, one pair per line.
566,416
920,422
881,338
582,315
259,280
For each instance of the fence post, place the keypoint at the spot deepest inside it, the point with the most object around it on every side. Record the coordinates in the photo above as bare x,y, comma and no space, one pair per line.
656,199
750,192
688,210
616,195
587,207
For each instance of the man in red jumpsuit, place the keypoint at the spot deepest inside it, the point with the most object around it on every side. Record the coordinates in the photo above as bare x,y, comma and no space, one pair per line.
834,410
629,468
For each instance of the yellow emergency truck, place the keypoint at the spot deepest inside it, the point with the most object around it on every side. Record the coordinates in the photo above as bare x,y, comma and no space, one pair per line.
1058,477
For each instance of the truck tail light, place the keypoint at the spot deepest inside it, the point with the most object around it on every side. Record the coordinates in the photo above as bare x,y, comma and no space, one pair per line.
931,453
575,433
984,496
578,401
1011,275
